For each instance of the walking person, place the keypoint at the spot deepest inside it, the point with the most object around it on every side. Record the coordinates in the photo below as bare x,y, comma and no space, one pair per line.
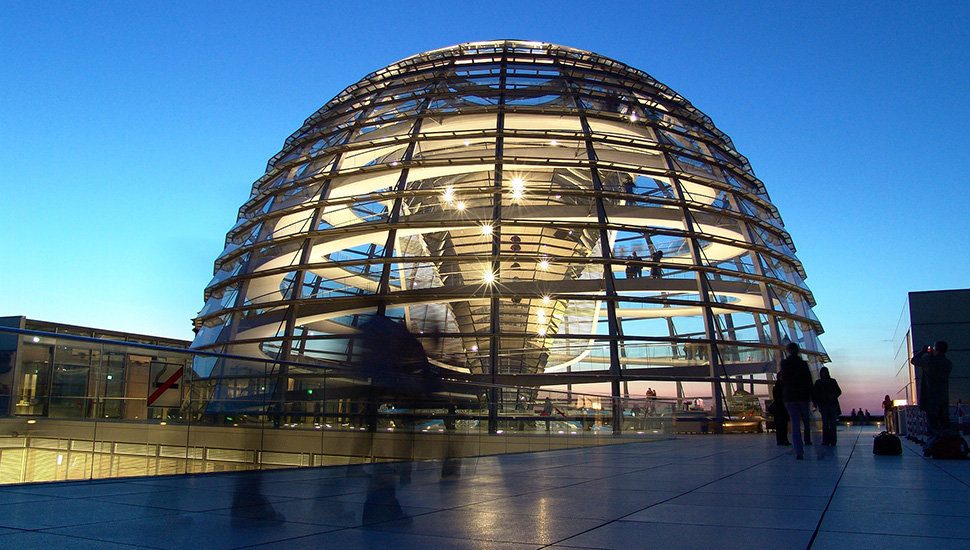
933,389
798,396
825,397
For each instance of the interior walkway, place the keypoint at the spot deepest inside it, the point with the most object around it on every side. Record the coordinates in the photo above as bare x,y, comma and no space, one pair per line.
704,492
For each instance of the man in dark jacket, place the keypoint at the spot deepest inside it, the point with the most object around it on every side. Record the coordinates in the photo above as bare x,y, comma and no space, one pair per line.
933,389
825,397
798,396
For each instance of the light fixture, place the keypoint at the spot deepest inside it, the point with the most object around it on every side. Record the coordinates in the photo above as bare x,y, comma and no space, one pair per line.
467,143
633,117
448,195
553,142
460,205
489,277
544,264
542,331
518,183
546,299
486,229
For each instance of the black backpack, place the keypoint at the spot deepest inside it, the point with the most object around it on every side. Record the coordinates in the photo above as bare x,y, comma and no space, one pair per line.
886,444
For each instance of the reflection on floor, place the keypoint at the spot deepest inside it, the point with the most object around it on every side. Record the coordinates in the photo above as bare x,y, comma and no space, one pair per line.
735,491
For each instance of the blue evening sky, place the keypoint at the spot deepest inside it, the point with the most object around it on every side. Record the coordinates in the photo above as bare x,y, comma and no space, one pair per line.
131,132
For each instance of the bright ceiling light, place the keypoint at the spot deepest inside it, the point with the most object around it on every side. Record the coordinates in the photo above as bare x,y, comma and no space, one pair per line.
546,299
460,205
544,264
486,229
489,277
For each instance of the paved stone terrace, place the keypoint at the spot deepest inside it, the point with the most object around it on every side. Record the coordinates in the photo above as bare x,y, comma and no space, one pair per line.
704,492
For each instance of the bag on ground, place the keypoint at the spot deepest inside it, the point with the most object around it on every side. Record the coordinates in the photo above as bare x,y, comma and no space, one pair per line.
886,444
951,447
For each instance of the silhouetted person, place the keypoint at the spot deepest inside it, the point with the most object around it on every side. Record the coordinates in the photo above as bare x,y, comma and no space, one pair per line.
825,396
887,414
635,269
798,395
655,270
933,389
779,412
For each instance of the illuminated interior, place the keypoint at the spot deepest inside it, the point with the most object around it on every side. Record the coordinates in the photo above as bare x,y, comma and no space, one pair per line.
490,196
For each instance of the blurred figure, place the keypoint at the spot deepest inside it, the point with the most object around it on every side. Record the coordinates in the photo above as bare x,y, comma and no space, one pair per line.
933,389
798,395
825,397
547,410
779,412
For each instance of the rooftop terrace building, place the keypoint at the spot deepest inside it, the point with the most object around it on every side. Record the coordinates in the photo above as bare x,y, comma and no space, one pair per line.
550,216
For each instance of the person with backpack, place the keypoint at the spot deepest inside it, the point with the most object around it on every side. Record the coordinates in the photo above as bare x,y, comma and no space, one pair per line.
825,397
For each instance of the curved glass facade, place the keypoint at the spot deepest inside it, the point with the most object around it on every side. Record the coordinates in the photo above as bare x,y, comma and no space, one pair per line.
543,215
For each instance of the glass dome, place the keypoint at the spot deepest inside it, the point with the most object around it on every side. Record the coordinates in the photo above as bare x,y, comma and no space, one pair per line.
543,215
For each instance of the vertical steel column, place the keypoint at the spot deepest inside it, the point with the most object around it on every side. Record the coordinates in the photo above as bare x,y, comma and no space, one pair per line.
495,264
616,374
703,288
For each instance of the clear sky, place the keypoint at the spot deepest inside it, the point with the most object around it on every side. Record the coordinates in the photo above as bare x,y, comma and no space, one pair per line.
131,132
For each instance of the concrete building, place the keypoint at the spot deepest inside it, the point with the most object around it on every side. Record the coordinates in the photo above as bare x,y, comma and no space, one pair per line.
927,317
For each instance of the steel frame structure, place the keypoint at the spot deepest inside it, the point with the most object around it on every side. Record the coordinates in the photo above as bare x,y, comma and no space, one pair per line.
492,195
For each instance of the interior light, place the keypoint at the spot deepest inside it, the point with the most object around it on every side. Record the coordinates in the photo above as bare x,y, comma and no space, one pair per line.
31,421
35,339
542,331
486,229
554,142
395,163
467,143
518,183
544,264
546,299
109,377
633,117
517,194
489,277
449,194
460,205
475,347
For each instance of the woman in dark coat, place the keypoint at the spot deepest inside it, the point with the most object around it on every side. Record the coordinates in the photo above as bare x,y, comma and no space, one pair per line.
825,397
